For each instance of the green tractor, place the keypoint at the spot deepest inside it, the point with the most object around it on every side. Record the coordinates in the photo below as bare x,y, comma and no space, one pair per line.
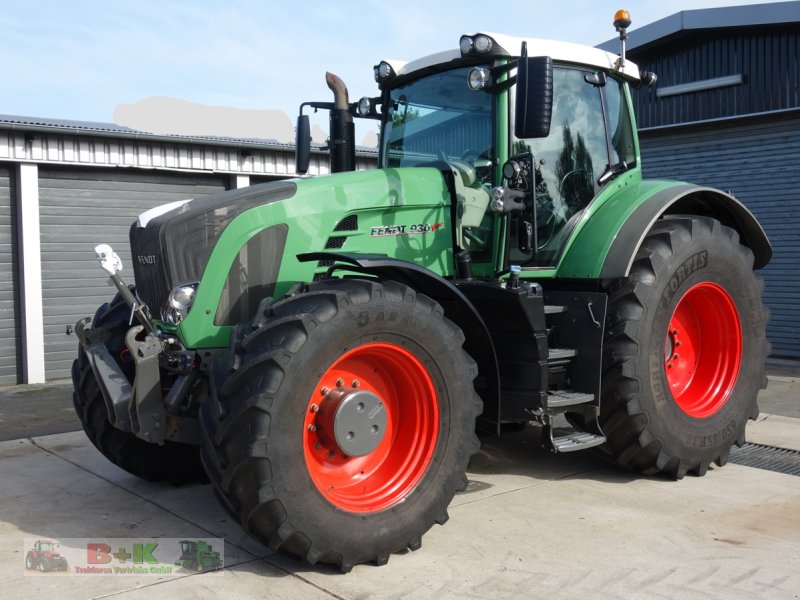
198,556
325,348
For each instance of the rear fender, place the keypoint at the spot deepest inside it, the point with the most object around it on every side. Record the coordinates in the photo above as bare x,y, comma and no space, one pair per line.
607,243
685,199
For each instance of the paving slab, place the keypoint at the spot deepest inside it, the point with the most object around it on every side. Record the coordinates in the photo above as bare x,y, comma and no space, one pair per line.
774,430
529,525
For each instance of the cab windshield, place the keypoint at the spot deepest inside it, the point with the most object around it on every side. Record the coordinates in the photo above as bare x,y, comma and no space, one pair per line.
438,118
438,121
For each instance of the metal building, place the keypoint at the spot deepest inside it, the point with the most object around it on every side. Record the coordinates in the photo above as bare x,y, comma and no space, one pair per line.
66,186
725,112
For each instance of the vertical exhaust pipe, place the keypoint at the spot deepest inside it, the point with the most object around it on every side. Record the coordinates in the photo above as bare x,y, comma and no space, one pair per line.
342,130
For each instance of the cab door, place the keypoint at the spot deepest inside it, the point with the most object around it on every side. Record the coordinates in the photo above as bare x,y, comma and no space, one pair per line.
590,138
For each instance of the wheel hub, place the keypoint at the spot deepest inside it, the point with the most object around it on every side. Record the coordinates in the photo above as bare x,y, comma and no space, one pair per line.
352,421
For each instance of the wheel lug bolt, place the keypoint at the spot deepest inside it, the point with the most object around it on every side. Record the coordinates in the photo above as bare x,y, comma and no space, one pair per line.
314,408
675,357
669,366
312,428
356,383
331,454
339,382
316,445
674,332
324,391
677,344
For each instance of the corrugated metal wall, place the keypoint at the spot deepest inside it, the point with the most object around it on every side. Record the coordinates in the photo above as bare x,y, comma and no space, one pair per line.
767,57
759,161
10,358
78,210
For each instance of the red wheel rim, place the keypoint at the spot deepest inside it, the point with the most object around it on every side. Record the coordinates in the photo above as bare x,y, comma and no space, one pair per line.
393,469
703,350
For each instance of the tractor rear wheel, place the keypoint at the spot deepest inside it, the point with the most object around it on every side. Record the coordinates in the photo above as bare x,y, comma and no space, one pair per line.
173,462
342,421
684,351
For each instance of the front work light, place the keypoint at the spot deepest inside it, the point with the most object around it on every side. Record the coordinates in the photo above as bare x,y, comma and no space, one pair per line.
480,44
478,78
364,106
383,71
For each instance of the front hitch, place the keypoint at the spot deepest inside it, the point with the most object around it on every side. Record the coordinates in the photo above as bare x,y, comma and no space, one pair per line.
146,407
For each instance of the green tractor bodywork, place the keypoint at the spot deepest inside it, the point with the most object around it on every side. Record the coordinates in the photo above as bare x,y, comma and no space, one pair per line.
380,200
198,556
331,343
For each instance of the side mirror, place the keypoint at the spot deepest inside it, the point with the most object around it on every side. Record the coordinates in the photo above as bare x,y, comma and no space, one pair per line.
302,145
534,103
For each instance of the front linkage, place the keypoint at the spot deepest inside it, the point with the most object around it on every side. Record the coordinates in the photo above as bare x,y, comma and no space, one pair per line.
141,408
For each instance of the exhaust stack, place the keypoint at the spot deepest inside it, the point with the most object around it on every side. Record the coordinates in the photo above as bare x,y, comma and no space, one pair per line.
342,130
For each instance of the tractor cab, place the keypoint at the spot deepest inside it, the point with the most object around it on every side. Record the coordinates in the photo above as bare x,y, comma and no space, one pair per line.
528,134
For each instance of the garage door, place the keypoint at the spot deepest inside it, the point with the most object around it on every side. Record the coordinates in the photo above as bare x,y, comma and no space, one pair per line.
10,358
759,162
78,210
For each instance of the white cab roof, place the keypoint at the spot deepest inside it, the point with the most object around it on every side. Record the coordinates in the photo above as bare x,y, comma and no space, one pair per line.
558,51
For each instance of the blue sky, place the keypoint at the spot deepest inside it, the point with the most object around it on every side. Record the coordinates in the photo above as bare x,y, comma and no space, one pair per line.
80,59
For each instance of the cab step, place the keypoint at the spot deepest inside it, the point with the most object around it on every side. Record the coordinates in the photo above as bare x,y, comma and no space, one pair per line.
560,354
554,309
562,398
570,440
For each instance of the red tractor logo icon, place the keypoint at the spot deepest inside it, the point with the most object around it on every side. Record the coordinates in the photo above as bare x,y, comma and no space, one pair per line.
45,557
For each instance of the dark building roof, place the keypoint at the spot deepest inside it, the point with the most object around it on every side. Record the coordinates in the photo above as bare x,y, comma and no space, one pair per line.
777,13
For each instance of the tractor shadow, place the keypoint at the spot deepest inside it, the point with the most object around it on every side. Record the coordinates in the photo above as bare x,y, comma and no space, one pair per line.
519,455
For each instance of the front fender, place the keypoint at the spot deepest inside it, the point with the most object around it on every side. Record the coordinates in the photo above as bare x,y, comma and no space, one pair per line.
457,307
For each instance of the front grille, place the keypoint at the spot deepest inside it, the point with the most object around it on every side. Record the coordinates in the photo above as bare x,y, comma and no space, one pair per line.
148,268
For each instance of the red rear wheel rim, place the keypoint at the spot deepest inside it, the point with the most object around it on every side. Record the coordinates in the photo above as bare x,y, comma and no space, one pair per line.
703,350
393,469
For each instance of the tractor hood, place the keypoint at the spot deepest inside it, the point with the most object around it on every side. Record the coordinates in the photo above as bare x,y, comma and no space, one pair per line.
172,248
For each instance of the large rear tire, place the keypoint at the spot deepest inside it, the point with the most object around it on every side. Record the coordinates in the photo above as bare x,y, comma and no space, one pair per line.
684,351
173,462
342,422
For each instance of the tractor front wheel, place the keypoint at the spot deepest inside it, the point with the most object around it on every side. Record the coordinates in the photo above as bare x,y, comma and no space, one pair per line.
342,421
685,349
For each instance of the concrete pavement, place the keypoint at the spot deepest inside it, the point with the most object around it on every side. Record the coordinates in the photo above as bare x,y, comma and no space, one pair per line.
530,524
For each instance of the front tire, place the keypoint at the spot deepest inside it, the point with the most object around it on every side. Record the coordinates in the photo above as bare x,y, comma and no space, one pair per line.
342,422
684,352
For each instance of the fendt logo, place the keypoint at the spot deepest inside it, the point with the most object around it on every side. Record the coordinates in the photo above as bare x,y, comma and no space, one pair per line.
146,259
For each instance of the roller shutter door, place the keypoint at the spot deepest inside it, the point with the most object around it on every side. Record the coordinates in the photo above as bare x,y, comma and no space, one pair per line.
10,357
759,162
78,210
